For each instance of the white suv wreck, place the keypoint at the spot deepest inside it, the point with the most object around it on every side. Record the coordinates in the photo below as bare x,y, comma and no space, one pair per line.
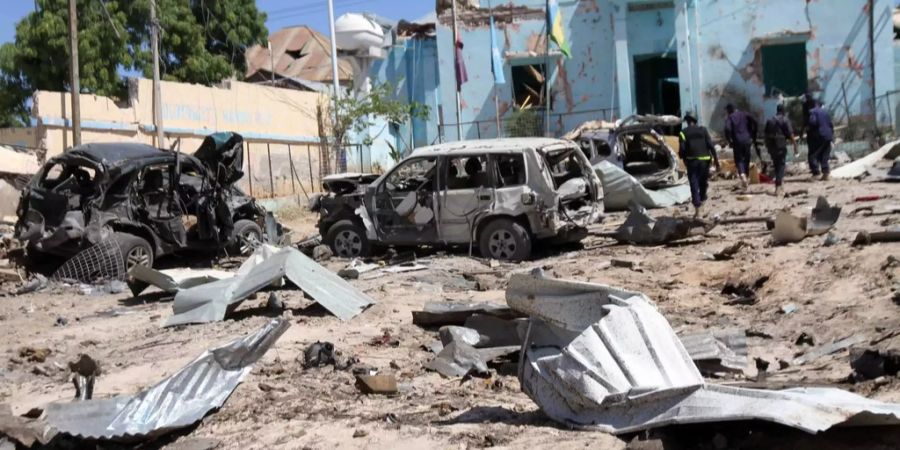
501,195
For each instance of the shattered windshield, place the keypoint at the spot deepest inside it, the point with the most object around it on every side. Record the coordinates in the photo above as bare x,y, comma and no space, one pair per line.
412,175
69,178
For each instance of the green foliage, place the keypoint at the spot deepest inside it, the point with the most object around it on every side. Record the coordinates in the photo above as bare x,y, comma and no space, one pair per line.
203,41
359,113
524,122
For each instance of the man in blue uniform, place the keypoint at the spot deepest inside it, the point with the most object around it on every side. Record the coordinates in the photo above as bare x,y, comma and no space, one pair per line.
778,132
819,137
697,150
740,132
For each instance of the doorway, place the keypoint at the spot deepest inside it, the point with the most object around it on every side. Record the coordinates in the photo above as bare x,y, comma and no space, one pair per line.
656,84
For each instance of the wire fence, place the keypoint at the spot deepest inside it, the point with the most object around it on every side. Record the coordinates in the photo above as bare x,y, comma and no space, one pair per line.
521,123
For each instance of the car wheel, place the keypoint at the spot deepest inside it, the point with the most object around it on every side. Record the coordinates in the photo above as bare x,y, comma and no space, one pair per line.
347,239
505,240
136,251
247,237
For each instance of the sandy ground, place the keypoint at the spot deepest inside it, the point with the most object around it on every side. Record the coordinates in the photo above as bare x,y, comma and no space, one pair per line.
839,291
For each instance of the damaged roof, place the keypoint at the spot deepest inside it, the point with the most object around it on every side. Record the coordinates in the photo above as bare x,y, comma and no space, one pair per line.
299,52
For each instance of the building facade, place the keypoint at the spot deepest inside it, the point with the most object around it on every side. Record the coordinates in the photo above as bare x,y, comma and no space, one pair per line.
665,57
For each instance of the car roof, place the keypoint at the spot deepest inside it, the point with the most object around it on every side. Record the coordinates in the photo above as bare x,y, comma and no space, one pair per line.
504,145
113,153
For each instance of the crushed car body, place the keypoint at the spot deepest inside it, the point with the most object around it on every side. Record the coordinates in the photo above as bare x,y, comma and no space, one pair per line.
500,196
635,145
152,202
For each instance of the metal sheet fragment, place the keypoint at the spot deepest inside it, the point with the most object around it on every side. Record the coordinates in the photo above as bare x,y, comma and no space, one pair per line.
175,402
603,358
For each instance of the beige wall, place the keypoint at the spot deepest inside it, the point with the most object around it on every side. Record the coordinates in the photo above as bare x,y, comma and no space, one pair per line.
21,137
190,112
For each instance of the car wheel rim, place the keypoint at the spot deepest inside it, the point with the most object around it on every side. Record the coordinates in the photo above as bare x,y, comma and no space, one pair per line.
250,241
348,243
502,244
138,256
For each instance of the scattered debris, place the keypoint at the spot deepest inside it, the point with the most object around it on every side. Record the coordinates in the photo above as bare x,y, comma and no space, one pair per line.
641,376
267,266
831,239
95,264
867,198
355,268
84,371
32,354
368,383
620,190
828,349
869,364
458,359
176,402
35,284
437,314
728,252
790,228
318,354
863,165
641,229
274,304
789,308
805,339
867,238
172,280
322,253
385,340
743,291
717,351
631,265
26,431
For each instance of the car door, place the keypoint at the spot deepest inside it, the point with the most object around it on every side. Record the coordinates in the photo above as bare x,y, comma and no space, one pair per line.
404,210
157,203
466,192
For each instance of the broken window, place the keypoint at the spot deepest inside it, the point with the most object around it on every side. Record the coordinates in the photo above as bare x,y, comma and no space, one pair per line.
529,85
784,69
413,175
510,170
467,172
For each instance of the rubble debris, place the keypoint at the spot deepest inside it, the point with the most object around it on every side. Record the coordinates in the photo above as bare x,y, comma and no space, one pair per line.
863,165
318,354
789,228
717,351
728,252
456,333
825,350
625,264
322,253
308,244
831,240
867,198
867,238
869,364
172,280
26,431
32,354
790,308
84,372
375,383
805,339
268,265
604,358
385,340
36,283
743,291
274,304
355,268
620,190
176,402
458,359
641,229
95,264
437,314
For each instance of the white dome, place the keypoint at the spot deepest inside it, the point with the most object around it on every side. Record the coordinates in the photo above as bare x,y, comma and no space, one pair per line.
357,32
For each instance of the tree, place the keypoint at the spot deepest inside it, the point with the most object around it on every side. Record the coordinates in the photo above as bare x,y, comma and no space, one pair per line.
358,113
203,41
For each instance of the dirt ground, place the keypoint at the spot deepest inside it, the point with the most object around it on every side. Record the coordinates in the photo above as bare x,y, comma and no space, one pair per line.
838,291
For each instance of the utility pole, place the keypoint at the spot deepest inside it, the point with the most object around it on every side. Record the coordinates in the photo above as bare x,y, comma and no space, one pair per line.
456,66
871,6
75,81
547,71
336,83
271,61
157,96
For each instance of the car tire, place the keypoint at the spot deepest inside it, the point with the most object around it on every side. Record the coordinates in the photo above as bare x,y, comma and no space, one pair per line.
347,239
505,240
243,236
135,250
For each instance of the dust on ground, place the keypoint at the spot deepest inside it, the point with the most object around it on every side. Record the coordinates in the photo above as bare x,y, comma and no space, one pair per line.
838,291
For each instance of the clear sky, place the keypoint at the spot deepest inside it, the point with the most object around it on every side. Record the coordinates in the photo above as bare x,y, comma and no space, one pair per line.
281,13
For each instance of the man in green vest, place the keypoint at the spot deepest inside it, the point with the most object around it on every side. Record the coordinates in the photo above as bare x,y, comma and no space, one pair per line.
697,151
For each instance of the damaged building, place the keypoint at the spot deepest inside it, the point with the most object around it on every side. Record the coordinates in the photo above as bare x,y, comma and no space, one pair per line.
664,57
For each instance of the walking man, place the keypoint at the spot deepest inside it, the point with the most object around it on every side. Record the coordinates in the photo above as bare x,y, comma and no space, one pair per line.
740,132
819,137
697,150
777,134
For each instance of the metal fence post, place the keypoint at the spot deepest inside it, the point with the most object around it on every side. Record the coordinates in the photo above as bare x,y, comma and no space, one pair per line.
250,169
312,181
271,177
291,159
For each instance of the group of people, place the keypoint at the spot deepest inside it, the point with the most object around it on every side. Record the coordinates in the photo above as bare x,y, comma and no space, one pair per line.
698,151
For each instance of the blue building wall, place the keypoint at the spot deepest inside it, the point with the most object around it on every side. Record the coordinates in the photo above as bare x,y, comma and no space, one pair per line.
717,44
411,68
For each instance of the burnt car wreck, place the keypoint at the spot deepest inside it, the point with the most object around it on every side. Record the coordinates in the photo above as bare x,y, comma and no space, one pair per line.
635,144
499,196
150,201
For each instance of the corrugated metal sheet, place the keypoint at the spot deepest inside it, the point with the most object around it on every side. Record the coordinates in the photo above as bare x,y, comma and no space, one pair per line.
178,401
605,358
299,52
268,266
725,348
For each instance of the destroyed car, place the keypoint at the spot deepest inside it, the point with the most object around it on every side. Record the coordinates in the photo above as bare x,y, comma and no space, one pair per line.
152,202
636,145
500,196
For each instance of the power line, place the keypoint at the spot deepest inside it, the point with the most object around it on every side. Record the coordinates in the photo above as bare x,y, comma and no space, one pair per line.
314,9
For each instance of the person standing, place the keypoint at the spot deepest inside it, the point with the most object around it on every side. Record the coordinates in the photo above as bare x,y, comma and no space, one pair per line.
777,133
696,149
740,132
819,138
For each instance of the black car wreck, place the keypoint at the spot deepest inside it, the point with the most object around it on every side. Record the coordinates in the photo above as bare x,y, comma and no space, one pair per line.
152,202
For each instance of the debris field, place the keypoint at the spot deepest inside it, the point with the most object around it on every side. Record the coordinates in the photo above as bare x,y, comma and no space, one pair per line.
817,313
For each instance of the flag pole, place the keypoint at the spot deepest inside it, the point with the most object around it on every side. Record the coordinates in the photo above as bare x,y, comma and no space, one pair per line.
496,95
547,77
456,65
